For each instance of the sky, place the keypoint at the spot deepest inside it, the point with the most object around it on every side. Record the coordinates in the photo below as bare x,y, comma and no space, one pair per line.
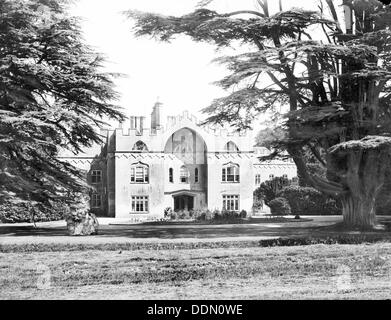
179,74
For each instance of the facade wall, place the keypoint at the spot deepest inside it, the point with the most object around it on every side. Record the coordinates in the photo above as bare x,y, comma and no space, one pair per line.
217,188
180,143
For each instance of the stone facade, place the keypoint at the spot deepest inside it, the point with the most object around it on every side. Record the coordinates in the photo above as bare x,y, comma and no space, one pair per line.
139,171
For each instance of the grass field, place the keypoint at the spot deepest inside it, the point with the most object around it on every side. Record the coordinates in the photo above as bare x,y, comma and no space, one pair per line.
360,271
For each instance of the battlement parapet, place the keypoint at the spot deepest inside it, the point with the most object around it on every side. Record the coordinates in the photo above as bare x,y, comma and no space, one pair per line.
173,121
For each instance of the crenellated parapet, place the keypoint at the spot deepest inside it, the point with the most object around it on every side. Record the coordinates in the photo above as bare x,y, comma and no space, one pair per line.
155,137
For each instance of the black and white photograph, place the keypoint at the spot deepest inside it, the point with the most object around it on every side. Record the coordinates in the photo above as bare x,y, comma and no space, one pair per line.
195,150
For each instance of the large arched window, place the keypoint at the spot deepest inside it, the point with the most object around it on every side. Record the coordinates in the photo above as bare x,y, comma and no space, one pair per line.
140,146
231,147
184,175
230,172
139,173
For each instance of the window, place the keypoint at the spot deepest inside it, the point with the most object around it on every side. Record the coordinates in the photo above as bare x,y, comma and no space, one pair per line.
184,175
285,176
271,176
257,179
196,175
139,173
96,200
171,175
230,173
96,176
140,146
183,146
139,203
231,202
231,147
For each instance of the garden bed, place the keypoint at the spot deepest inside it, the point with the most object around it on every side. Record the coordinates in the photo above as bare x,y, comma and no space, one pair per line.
252,220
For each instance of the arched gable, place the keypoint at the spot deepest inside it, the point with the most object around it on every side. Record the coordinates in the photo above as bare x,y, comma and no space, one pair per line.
231,146
140,146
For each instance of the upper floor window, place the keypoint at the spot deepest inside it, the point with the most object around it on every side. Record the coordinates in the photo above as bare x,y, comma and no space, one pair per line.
184,174
231,147
140,146
96,176
285,176
139,173
230,172
196,175
257,179
171,175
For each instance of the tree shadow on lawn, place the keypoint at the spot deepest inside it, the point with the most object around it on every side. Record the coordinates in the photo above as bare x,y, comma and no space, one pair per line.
200,231
163,232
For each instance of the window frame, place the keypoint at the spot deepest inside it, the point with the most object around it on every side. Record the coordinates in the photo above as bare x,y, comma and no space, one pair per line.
137,202
96,198
184,173
231,147
94,176
196,175
139,143
171,175
139,169
233,200
235,175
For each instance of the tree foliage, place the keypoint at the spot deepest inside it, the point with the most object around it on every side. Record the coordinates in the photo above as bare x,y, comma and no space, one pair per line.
53,96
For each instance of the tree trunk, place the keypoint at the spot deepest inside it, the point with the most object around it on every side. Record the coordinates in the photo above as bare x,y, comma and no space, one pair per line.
364,177
359,211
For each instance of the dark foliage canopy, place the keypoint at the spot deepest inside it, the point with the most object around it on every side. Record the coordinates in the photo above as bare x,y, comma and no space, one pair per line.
53,96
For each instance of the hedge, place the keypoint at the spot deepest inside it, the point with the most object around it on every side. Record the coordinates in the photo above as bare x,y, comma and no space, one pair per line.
309,201
280,206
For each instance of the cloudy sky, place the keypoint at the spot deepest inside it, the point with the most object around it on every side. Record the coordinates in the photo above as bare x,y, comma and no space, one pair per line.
180,73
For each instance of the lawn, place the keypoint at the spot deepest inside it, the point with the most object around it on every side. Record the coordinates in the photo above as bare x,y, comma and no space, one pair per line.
292,272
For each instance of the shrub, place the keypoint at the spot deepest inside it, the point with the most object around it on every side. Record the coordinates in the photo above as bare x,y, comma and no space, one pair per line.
174,215
216,214
267,191
28,212
243,214
280,206
307,200
183,215
383,200
167,212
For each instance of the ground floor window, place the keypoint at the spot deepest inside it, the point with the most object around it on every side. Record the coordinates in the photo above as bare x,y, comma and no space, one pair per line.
96,200
231,202
139,203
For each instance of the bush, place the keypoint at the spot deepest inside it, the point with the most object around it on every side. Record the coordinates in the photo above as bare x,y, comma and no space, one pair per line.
219,215
27,212
243,214
184,215
309,201
383,200
167,212
267,191
280,206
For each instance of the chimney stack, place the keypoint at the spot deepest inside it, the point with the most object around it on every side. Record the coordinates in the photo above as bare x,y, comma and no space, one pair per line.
132,122
155,116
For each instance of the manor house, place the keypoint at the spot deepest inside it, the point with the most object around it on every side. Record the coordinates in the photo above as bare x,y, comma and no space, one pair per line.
141,171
